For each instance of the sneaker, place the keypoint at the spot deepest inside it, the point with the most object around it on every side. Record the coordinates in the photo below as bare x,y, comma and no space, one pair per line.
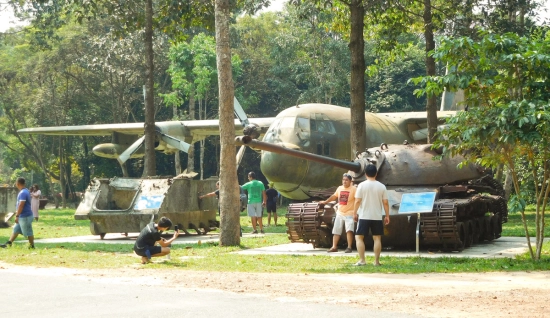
348,250
262,231
359,263
332,250
31,246
254,232
8,243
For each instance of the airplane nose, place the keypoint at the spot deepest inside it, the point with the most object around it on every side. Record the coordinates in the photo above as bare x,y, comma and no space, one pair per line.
284,171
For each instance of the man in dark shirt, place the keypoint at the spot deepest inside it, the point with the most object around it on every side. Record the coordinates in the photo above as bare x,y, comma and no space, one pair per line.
271,204
150,235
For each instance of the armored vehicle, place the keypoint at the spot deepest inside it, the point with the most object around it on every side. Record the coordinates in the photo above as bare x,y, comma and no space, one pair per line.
469,205
122,205
8,196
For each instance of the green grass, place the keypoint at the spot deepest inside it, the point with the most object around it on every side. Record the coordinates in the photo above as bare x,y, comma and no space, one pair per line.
212,257
514,226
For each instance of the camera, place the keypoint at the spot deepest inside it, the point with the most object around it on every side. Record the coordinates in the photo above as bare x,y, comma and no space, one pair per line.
176,228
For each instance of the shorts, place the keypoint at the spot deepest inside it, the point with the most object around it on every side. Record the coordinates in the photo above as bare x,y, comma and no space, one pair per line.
152,249
255,210
24,226
376,227
341,222
271,207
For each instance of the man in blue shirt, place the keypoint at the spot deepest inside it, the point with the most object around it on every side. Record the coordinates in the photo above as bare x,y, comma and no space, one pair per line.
23,215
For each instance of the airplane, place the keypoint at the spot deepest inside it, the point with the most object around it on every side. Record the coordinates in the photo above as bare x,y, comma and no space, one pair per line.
316,128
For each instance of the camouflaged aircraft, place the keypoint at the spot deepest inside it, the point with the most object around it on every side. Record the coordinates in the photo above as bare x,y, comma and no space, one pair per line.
316,128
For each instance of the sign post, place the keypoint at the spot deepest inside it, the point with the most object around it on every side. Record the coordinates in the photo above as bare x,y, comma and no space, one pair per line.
420,202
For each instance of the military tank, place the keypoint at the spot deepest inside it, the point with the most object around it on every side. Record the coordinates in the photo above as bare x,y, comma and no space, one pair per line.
123,205
469,205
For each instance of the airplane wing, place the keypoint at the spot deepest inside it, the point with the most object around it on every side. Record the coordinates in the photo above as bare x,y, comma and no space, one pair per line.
414,124
197,129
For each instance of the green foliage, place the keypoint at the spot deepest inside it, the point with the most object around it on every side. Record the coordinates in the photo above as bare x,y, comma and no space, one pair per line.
507,83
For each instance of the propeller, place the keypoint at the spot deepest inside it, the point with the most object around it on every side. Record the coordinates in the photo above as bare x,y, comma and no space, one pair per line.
248,129
124,156
172,141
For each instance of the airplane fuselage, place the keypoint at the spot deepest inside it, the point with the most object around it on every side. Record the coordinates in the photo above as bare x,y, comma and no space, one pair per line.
325,130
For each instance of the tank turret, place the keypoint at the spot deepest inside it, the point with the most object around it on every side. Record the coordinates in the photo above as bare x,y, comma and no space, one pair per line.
469,207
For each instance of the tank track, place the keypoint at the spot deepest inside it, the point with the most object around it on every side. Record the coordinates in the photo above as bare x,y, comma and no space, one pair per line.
450,226
304,224
453,226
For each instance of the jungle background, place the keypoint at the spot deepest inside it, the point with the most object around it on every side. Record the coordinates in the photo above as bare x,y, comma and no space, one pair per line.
66,68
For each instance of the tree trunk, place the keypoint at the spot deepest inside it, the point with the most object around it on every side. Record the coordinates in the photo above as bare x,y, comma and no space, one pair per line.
229,187
357,49
150,168
201,161
86,166
177,160
62,174
431,105
191,152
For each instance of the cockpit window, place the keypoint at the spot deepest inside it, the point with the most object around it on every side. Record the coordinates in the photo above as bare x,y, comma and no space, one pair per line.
303,124
321,123
287,123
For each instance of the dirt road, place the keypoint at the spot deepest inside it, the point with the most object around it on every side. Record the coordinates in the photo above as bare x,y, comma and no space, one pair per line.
510,294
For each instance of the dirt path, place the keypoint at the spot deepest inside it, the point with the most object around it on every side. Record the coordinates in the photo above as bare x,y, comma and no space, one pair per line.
511,294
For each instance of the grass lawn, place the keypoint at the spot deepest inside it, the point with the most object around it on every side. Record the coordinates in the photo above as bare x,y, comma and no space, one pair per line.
210,256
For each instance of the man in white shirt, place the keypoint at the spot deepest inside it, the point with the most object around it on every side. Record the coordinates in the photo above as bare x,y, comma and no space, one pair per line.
371,202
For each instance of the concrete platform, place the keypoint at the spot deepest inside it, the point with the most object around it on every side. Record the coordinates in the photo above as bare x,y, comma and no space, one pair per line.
502,247
499,248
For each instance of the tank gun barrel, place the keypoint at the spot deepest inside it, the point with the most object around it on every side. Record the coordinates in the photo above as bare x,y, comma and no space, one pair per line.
253,143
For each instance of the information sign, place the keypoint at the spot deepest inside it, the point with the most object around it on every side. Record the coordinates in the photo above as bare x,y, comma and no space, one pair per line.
420,202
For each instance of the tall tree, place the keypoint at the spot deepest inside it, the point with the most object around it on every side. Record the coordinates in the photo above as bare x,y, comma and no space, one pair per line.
229,187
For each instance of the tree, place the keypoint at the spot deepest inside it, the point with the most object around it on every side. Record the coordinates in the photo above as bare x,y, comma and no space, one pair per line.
229,188
507,83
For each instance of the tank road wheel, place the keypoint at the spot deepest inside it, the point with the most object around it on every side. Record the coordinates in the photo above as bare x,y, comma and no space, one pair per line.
468,233
489,231
324,239
459,242
476,226
496,225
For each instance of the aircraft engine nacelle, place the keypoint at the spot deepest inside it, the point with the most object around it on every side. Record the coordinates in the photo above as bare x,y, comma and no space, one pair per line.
113,151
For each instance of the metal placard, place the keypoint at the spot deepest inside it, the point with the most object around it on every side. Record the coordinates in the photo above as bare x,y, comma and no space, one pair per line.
420,202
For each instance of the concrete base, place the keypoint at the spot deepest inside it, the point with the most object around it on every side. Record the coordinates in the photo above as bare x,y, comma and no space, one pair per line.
502,247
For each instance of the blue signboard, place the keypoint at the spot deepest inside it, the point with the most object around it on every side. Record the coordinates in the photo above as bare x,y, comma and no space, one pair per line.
149,202
421,202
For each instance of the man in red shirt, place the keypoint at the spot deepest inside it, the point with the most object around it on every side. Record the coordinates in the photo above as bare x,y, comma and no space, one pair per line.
344,216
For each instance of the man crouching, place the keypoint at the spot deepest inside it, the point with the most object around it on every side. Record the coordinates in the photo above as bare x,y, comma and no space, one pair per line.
150,235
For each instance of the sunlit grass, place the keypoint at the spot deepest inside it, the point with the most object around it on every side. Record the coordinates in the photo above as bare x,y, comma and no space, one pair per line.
212,257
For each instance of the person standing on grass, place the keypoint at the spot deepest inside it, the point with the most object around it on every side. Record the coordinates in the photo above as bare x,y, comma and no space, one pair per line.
35,200
217,194
271,204
146,243
256,201
23,215
344,215
371,202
